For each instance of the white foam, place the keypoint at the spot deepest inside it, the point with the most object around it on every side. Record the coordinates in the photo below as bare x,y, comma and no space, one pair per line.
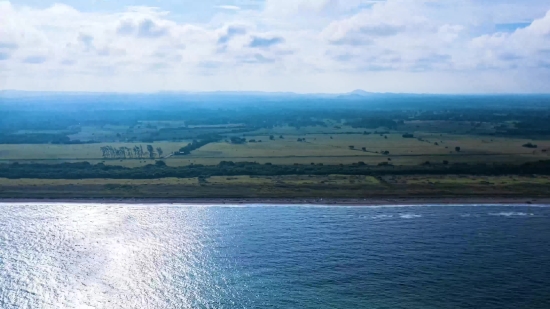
511,214
409,216
382,216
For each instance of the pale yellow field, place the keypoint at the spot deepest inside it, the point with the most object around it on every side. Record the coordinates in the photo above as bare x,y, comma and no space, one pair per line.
69,182
470,180
217,180
322,145
293,180
318,149
72,152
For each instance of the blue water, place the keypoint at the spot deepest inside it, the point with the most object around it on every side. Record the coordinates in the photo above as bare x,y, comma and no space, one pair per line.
169,256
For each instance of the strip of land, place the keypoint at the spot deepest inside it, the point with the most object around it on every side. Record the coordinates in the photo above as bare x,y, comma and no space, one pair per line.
377,148
285,202
333,189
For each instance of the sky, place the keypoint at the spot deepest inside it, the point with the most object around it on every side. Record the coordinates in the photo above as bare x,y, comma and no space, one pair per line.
304,46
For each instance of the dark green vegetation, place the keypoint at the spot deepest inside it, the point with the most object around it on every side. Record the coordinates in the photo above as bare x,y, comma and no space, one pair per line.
85,170
151,137
196,144
73,119
110,152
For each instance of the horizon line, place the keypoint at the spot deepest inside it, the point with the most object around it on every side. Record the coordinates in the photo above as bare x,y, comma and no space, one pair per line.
353,92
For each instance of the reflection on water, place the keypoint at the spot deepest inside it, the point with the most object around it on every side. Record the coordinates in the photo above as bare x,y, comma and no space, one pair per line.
164,256
78,256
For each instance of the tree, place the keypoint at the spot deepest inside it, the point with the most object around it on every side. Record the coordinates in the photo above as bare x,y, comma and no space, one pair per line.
281,137
151,151
104,151
122,152
271,137
159,151
457,149
364,149
237,140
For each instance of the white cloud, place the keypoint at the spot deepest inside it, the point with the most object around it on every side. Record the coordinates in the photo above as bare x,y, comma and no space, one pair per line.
526,47
228,7
298,45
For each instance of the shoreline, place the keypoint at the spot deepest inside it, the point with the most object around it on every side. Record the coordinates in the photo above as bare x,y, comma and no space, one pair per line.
296,201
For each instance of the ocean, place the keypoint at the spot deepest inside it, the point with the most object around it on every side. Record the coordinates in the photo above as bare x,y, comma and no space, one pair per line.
252,256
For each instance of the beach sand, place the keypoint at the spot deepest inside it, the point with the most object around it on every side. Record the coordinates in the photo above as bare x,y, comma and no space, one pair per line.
302,201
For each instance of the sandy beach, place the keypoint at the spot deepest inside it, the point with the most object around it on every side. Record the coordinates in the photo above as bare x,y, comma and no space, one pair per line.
306,201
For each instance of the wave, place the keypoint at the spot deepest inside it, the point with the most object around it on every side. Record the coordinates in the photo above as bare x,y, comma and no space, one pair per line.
382,217
409,216
511,214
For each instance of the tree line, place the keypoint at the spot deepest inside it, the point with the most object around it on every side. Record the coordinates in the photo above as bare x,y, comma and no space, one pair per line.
85,170
196,144
137,152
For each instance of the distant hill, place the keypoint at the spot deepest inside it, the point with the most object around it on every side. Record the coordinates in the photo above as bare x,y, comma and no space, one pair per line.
360,92
357,95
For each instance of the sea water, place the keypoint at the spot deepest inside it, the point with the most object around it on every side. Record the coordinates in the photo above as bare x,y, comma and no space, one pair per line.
252,256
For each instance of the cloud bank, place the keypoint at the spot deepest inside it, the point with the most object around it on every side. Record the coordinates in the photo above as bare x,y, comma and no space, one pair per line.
299,45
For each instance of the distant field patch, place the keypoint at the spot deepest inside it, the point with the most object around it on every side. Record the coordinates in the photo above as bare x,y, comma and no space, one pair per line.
71,152
66,182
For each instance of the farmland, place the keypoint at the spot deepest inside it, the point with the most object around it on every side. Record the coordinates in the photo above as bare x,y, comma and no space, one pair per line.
317,148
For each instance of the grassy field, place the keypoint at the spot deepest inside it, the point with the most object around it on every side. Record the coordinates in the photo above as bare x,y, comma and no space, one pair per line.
330,186
462,180
216,180
317,149
100,181
335,149
72,152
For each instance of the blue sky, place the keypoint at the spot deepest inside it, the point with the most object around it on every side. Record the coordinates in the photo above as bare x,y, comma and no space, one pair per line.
420,46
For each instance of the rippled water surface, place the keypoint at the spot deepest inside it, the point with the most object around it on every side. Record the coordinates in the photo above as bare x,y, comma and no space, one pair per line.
170,256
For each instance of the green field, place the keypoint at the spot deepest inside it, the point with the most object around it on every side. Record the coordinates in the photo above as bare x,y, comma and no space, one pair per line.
317,148
283,187
215,180
79,152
